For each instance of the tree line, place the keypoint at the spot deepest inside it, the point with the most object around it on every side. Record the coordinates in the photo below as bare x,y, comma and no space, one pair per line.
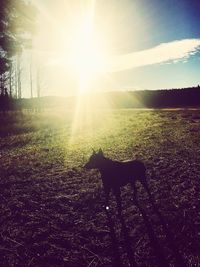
184,97
17,26
170,98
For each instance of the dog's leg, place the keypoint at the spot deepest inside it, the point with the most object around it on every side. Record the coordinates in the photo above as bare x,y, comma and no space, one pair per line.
117,194
107,196
146,187
134,191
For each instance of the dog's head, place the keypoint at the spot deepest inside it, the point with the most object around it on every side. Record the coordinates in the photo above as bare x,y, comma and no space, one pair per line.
95,160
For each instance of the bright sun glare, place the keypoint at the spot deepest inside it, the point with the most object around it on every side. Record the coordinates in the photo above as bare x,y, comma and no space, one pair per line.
79,48
68,42
87,57
75,46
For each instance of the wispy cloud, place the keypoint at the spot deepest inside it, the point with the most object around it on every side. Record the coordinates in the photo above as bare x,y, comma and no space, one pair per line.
164,53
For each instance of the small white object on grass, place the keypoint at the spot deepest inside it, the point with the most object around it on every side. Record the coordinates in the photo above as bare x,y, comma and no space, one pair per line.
107,208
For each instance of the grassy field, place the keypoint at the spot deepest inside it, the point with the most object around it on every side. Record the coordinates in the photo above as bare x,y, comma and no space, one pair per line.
52,210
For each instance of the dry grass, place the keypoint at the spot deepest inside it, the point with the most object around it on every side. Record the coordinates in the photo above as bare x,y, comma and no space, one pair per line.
51,210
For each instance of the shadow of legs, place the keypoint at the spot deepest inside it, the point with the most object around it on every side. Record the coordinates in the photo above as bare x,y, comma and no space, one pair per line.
169,236
153,239
116,256
127,242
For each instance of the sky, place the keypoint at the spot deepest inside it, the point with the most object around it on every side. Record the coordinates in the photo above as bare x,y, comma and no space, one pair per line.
147,45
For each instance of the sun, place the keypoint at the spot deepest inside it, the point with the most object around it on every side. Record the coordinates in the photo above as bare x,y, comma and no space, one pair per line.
73,46
87,57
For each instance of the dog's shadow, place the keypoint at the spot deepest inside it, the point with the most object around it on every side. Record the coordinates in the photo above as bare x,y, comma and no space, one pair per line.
116,254
127,241
158,249
178,259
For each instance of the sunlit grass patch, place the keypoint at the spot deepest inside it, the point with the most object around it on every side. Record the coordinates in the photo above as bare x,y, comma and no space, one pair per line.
52,206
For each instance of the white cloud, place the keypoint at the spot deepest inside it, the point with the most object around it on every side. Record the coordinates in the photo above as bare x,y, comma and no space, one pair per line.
164,53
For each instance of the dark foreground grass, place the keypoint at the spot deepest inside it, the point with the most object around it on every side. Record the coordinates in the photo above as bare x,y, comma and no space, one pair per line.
51,209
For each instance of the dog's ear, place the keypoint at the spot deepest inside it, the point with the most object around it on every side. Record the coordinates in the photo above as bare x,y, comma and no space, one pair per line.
100,152
93,152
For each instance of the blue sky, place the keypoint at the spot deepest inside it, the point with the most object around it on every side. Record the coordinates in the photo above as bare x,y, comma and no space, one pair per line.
169,29
158,22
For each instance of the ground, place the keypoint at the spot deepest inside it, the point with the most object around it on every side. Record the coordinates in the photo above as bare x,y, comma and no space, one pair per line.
52,210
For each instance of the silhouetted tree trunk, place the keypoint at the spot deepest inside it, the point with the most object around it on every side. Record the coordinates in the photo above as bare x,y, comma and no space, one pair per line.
10,81
16,79
19,76
38,78
31,77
